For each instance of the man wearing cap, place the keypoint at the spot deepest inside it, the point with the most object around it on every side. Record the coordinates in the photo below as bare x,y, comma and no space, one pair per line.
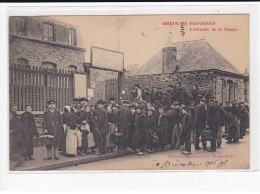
53,125
200,117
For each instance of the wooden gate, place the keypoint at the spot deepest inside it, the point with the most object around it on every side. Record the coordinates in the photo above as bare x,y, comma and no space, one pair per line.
36,86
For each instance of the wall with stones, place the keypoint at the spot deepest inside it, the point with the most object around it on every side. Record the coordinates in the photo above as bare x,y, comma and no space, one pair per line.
204,80
37,52
222,88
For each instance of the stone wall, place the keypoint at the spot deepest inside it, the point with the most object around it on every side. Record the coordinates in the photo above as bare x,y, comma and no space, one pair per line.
37,52
222,87
205,80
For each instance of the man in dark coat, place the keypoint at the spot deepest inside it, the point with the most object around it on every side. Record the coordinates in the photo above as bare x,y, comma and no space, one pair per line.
163,130
151,129
200,117
29,131
102,124
53,125
146,94
167,102
187,126
178,92
124,125
140,130
213,121
184,96
154,95
15,136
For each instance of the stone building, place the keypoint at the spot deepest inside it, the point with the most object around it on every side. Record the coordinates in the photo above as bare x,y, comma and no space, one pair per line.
45,42
197,63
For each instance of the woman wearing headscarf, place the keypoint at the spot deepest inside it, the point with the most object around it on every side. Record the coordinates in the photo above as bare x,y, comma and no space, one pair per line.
29,131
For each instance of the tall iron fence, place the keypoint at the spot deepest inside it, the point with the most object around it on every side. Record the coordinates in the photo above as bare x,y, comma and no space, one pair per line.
36,86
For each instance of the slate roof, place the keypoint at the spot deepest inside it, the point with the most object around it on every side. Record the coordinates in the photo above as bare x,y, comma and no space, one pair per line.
192,55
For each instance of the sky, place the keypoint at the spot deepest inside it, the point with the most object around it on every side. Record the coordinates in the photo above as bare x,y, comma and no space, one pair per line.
141,37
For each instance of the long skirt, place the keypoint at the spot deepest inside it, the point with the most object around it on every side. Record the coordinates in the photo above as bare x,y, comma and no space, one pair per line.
71,141
79,138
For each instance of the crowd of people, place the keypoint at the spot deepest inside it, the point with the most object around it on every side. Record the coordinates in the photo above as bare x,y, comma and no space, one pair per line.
153,121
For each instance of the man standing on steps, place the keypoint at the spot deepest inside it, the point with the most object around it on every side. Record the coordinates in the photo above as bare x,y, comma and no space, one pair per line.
53,125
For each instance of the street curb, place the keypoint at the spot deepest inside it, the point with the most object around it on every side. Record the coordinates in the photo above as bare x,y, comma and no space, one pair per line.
74,162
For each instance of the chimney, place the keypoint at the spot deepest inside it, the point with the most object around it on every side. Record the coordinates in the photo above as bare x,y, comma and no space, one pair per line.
169,55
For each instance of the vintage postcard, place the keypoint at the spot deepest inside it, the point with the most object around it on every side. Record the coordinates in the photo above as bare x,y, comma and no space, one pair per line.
129,92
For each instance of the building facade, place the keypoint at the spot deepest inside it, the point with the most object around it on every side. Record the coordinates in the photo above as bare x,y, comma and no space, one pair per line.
193,63
45,42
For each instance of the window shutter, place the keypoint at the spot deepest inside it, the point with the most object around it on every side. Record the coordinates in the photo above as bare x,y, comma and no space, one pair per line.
75,42
41,29
54,33
67,35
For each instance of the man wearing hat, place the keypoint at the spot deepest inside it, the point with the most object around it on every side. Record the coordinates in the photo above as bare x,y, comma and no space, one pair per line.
53,125
140,132
124,125
213,121
187,125
200,117
102,124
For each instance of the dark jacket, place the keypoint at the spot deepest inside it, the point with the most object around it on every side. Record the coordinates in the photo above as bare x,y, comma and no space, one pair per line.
102,120
167,102
151,124
141,126
88,117
184,96
154,96
146,96
163,129
52,121
213,114
187,123
28,123
200,115
124,119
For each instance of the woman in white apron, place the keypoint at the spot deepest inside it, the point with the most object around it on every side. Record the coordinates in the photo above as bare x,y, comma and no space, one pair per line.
71,132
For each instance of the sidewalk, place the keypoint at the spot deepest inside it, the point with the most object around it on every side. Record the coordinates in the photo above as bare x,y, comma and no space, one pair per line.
38,164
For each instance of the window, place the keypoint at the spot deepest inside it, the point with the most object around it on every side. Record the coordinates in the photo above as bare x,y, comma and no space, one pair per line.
21,26
73,68
49,65
72,37
23,62
48,32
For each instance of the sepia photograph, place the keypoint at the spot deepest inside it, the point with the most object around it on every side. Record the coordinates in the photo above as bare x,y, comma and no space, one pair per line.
129,92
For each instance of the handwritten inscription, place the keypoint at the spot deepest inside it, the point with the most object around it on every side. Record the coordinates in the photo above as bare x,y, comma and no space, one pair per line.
219,163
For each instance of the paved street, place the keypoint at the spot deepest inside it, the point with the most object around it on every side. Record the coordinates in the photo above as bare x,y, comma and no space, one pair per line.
230,156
